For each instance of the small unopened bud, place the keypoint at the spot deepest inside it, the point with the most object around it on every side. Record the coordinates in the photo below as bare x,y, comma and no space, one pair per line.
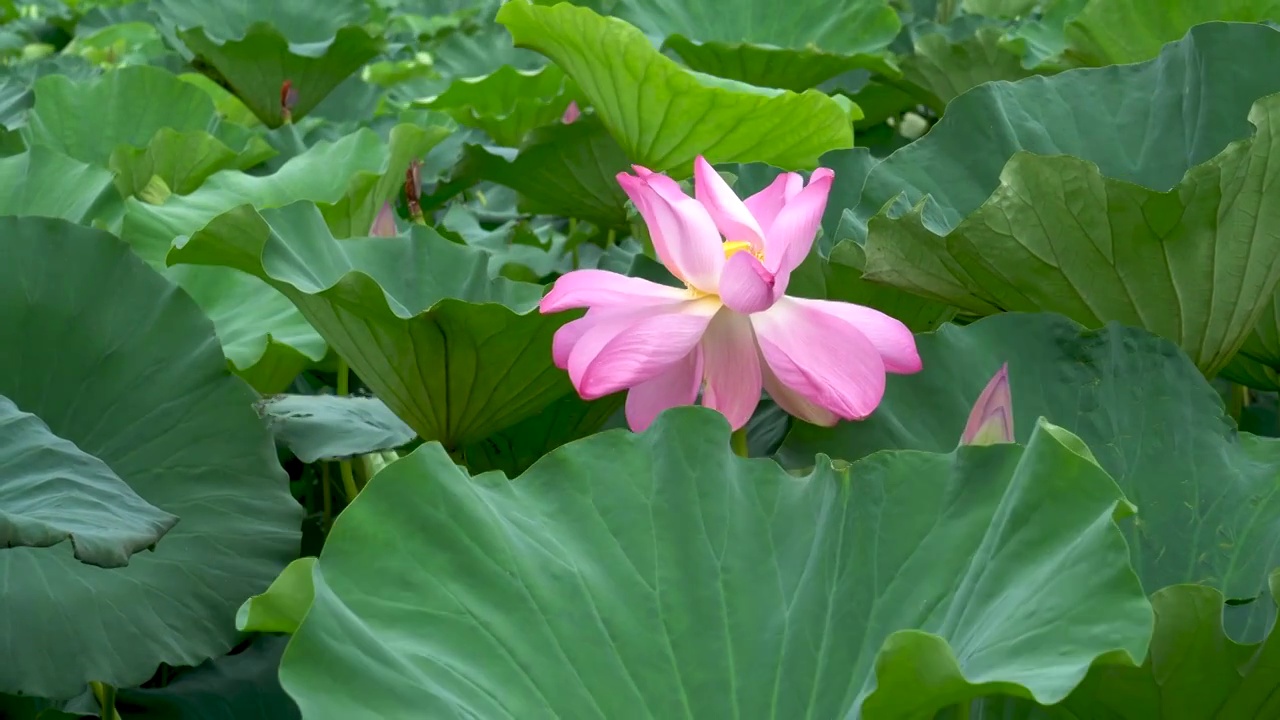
571,113
991,419
413,192
384,225
288,98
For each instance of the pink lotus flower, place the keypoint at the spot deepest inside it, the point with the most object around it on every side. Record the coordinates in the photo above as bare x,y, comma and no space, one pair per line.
731,330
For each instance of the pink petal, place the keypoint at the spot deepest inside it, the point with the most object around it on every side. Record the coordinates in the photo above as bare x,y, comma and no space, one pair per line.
684,236
625,348
384,224
893,340
733,219
991,419
601,288
563,342
571,113
793,403
677,386
821,357
745,286
765,205
731,367
791,235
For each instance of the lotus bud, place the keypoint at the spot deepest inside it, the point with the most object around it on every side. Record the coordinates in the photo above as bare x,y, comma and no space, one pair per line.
288,98
384,225
991,419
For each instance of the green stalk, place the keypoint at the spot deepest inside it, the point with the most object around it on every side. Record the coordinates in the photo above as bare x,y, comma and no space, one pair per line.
344,466
1237,401
738,441
106,696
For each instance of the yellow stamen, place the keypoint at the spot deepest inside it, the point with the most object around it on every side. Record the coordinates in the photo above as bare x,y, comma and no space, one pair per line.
733,247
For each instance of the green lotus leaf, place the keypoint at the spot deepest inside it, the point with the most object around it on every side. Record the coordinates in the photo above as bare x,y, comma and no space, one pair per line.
999,8
264,336
87,118
659,571
1114,32
562,170
840,277
1258,364
794,46
1032,214
140,121
115,359
282,606
518,447
52,491
1206,495
664,115
1194,670
331,427
508,103
948,67
182,160
266,340
46,183
457,355
257,47
349,178
243,686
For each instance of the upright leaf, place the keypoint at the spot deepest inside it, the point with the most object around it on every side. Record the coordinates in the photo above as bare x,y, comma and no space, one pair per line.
664,115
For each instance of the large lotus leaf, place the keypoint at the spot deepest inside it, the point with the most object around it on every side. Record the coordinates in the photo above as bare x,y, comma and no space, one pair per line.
120,362
1161,214
47,183
508,103
457,355
1114,32
349,178
1193,670
265,338
794,45
664,115
52,491
183,160
516,448
947,67
258,46
562,170
840,277
1208,504
243,686
161,122
332,427
660,572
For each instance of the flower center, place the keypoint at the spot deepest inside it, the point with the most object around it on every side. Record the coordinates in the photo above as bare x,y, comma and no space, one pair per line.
733,247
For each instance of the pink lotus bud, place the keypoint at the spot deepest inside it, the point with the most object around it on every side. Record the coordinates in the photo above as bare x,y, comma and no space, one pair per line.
288,98
384,225
571,113
991,420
